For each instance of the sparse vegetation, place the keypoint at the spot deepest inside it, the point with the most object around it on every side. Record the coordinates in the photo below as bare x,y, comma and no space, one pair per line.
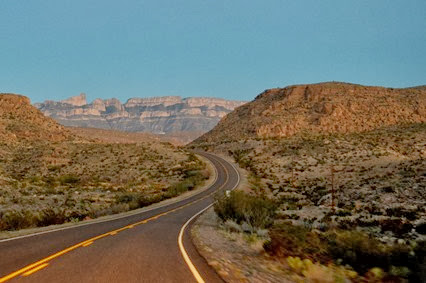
348,247
51,184
377,186
240,207
49,175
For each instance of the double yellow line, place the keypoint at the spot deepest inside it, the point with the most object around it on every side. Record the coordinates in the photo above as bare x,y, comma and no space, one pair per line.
36,266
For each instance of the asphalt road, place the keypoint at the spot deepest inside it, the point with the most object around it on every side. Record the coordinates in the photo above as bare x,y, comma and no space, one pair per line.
138,248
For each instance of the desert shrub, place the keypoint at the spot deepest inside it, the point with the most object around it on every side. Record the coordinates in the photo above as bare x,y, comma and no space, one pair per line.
314,272
53,168
241,157
51,217
68,179
291,240
21,219
343,212
145,200
346,224
127,197
137,200
396,225
240,207
192,178
178,188
363,252
355,248
238,154
317,193
401,212
15,220
421,228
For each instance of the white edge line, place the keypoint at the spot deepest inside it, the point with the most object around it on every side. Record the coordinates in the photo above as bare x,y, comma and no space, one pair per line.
183,251
111,219
182,231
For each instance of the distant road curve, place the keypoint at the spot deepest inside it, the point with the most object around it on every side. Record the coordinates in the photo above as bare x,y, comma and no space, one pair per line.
151,246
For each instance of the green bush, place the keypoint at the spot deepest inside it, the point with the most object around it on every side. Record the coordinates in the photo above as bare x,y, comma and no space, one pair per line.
240,207
357,249
192,178
145,200
21,219
68,179
15,220
137,200
290,240
51,217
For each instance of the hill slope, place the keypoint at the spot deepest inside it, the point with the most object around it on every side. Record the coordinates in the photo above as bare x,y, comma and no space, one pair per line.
320,108
20,121
50,174
342,162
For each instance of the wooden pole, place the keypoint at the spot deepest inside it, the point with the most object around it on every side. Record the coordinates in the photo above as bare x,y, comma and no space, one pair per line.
332,189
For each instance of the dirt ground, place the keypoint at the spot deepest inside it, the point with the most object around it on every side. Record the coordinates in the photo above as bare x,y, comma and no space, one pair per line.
235,257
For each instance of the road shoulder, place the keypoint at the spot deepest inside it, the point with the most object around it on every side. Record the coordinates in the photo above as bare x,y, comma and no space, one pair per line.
234,256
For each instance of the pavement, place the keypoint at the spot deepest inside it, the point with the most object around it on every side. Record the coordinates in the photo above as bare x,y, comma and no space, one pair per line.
143,247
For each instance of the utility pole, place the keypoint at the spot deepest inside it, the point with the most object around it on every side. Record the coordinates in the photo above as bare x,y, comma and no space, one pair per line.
292,171
332,189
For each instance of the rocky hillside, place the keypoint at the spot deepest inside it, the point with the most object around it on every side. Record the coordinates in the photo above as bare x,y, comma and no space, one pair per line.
20,121
345,165
168,114
50,174
320,108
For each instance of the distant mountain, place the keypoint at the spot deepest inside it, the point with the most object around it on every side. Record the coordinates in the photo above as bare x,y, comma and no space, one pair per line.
159,115
322,108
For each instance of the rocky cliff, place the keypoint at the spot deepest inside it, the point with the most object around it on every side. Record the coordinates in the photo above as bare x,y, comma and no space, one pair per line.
168,114
320,108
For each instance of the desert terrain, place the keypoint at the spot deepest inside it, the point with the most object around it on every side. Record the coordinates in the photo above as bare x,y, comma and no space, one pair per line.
343,165
50,174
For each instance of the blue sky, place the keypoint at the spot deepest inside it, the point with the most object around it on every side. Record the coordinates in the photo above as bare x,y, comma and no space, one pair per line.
234,49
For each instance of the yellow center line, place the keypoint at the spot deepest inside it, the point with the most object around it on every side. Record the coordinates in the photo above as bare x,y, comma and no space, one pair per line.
35,269
121,229
43,262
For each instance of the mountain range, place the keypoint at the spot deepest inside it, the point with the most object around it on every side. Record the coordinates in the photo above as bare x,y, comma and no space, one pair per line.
159,115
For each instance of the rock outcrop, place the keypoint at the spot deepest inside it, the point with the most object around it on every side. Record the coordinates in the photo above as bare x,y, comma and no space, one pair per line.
160,115
78,100
321,109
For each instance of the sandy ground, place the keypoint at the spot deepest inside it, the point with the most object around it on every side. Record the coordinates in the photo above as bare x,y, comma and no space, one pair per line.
235,257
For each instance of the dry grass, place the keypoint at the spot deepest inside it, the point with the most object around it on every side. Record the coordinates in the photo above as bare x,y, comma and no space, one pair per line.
53,183
343,189
379,178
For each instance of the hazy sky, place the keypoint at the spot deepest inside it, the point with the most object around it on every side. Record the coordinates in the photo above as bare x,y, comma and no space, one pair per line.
52,49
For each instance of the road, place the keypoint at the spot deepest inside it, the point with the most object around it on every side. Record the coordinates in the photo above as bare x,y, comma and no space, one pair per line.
138,248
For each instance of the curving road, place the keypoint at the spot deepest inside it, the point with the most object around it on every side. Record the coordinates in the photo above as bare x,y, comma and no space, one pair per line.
152,246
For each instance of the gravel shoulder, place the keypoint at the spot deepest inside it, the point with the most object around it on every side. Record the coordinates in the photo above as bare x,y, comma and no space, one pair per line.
235,257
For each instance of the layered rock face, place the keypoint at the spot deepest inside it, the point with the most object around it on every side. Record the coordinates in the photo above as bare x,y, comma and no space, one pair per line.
168,114
322,109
